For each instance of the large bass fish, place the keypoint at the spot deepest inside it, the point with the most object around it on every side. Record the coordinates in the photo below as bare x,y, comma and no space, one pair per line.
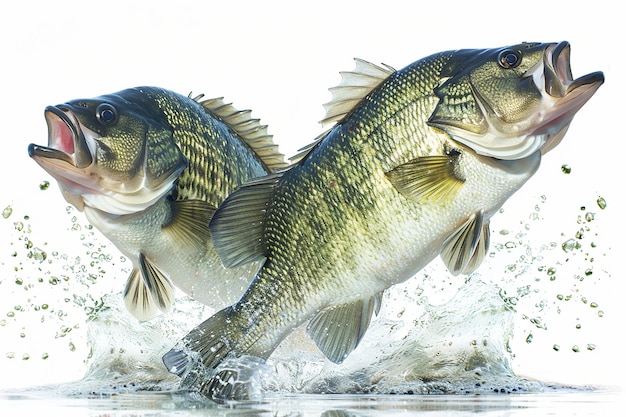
149,167
418,162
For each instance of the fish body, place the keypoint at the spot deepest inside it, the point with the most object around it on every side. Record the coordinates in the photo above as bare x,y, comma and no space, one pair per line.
149,167
418,162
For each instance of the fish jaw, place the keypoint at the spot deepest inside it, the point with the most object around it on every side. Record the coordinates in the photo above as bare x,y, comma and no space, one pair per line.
70,158
561,96
566,95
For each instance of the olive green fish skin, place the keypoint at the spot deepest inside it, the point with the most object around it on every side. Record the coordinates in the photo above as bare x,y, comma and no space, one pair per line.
388,189
149,167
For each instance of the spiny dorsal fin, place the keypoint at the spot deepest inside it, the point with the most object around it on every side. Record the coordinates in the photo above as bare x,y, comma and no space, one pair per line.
338,330
238,225
253,133
190,224
466,247
428,177
354,86
306,150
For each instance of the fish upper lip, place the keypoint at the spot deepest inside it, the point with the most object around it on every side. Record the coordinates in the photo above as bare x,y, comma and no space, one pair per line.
559,81
570,94
66,140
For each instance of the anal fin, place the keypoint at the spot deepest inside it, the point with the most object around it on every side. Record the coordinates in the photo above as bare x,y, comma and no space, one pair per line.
463,251
337,330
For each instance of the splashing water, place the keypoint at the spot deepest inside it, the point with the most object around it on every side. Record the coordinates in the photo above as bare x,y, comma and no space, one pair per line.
62,317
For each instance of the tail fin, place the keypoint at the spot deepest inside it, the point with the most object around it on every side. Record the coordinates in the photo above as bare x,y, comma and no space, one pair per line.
210,340
209,359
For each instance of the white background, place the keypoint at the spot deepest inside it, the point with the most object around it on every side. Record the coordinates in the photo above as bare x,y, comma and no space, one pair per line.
279,59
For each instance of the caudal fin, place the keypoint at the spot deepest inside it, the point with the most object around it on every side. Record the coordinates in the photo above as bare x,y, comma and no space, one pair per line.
209,340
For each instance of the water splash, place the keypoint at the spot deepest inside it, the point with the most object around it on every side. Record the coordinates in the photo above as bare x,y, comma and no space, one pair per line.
435,334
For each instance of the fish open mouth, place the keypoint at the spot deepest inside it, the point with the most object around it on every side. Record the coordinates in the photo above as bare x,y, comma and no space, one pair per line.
68,157
66,140
567,94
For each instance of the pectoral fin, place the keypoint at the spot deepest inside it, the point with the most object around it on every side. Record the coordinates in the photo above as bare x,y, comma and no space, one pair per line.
190,224
148,290
430,177
338,330
466,247
238,225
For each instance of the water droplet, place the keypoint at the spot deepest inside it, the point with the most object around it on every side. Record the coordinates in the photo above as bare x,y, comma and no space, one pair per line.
6,213
19,281
591,346
44,356
10,355
44,185
570,245
601,203
529,338
593,305
556,347
566,169
575,348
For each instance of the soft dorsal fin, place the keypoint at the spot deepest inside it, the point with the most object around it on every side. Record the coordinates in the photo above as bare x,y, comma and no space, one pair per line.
148,290
337,330
463,251
238,225
190,224
354,86
429,177
253,133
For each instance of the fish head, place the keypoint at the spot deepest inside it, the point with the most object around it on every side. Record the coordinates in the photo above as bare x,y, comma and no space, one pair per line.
511,102
115,153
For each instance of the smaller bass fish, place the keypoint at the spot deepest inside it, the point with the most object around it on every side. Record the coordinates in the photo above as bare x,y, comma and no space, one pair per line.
149,167
419,161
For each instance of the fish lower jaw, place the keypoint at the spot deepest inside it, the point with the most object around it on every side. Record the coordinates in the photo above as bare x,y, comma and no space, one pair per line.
504,148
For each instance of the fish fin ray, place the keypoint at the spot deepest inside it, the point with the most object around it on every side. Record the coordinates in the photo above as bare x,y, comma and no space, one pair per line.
463,251
337,330
190,224
354,86
137,297
157,283
238,225
253,133
429,177
305,151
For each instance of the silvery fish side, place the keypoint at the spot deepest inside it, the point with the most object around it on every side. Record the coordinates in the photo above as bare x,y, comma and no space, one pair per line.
419,161
149,167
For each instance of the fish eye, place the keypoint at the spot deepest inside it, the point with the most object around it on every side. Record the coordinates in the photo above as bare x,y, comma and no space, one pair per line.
106,114
509,58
